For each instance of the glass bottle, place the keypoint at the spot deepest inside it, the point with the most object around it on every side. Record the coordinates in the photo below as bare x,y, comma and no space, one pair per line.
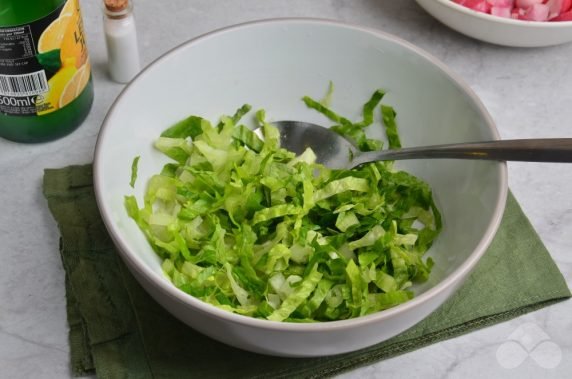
121,40
46,89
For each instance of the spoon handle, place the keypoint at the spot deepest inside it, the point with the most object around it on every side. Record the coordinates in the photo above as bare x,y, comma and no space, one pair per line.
526,150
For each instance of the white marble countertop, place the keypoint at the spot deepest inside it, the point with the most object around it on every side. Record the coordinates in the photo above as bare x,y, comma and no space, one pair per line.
527,91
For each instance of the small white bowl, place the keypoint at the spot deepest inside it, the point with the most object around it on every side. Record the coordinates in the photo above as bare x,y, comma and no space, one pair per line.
271,65
498,30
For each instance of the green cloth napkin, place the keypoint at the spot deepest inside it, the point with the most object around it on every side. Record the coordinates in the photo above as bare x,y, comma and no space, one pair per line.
118,331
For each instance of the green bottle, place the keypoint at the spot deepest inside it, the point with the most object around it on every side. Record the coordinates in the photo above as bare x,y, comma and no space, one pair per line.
46,90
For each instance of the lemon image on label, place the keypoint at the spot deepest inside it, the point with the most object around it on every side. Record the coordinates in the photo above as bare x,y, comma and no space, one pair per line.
50,101
69,8
66,34
53,36
75,85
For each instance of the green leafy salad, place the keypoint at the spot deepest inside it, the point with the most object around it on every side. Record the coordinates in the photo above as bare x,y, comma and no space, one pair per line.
250,227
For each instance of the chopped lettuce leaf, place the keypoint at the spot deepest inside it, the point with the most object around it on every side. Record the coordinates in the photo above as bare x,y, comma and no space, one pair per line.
251,228
388,116
189,127
354,132
134,166
298,296
369,107
327,100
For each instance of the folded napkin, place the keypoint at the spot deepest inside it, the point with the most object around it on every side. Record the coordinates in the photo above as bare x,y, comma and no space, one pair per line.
118,331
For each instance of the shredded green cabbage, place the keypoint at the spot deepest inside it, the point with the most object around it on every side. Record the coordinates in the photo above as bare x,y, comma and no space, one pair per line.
249,227
134,166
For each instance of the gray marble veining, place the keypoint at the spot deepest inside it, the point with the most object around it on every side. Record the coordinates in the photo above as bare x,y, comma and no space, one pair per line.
527,91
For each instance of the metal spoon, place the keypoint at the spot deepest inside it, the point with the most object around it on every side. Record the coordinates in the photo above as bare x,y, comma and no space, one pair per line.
334,151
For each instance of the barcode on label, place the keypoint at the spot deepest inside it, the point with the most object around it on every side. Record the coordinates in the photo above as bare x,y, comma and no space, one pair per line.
31,84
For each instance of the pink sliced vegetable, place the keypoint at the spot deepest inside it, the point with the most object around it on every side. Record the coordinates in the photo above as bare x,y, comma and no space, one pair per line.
536,12
501,11
525,4
529,10
567,16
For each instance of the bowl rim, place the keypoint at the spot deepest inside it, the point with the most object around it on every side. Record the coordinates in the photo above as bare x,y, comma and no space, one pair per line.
168,289
508,21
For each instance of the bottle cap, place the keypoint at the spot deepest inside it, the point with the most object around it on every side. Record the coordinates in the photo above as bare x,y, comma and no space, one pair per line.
116,5
117,8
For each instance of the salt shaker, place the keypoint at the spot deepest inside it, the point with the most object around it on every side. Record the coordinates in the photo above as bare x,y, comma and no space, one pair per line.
121,40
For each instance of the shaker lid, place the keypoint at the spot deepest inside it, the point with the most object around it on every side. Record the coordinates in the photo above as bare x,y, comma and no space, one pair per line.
116,5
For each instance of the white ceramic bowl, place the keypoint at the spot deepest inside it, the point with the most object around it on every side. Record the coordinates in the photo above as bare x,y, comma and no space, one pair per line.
498,30
272,64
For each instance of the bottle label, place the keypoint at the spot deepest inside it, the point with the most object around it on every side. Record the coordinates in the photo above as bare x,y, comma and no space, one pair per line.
44,64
